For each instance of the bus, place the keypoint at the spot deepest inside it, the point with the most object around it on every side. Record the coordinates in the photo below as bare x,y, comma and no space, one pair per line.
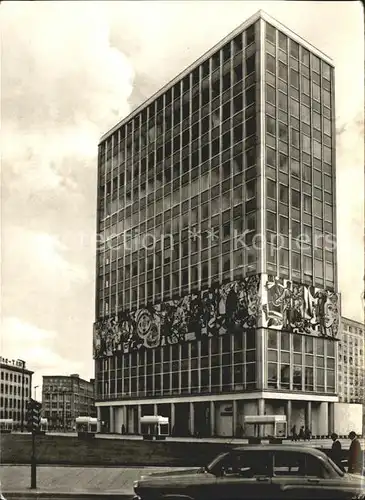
154,427
6,425
86,427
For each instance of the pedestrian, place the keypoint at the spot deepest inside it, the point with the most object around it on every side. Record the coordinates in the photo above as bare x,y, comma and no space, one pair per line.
308,433
294,435
301,433
336,451
355,465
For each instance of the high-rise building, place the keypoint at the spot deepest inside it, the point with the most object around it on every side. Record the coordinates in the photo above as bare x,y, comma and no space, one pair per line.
351,362
64,398
216,294
16,389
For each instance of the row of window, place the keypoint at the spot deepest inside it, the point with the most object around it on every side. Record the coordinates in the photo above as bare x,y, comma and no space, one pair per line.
214,62
15,391
13,377
10,403
15,415
184,124
217,379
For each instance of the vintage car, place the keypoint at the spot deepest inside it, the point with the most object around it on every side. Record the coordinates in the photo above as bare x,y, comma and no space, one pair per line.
258,471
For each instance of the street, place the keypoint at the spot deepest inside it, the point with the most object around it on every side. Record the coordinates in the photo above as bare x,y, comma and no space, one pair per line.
88,480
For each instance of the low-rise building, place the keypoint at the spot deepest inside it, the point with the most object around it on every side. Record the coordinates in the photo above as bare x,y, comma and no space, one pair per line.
16,389
65,398
351,362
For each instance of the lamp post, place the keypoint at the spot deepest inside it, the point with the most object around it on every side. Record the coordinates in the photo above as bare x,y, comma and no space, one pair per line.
35,391
22,409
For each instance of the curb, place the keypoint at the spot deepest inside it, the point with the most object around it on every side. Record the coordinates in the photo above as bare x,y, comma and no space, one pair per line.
66,495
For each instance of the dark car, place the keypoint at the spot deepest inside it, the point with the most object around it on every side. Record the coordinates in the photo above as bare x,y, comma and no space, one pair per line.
263,471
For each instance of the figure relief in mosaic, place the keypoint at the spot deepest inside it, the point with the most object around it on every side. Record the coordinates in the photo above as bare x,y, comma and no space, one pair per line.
300,308
210,312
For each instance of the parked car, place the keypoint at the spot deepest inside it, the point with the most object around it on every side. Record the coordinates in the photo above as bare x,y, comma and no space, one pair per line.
259,471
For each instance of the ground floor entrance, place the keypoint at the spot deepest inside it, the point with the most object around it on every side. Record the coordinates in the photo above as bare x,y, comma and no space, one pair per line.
218,418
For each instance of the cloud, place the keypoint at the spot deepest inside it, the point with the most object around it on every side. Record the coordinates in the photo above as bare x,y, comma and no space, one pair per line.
65,85
36,271
22,340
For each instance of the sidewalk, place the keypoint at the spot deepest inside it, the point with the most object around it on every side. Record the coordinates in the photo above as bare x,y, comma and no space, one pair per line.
62,480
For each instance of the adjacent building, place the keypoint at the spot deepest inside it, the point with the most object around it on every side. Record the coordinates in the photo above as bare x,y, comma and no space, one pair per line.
16,389
64,398
351,362
216,278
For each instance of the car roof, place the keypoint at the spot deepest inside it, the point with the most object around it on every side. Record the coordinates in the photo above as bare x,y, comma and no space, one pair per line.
278,447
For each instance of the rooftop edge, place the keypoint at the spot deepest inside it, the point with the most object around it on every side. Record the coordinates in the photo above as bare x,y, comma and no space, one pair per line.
260,14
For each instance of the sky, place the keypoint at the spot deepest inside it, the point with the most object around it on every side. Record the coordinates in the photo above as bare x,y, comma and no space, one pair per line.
72,70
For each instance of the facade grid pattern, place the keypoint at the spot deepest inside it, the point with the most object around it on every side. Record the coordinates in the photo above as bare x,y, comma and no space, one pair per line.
244,143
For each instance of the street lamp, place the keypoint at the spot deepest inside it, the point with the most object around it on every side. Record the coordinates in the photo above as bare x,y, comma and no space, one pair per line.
35,391
22,410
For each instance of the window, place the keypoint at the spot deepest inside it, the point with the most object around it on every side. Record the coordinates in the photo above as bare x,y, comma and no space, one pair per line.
305,112
317,150
270,125
283,132
248,464
327,126
271,189
304,56
294,49
283,193
294,107
315,63
306,144
305,85
283,101
270,63
294,78
283,71
283,162
271,221
295,169
295,197
307,203
270,94
271,156
295,138
270,33
297,464
282,41
284,225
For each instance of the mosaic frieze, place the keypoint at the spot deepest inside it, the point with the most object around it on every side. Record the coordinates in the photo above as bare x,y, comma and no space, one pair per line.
229,307
299,308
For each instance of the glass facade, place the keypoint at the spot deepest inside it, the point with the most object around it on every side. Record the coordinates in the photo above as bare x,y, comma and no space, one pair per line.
182,165
220,364
299,162
242,145
226,363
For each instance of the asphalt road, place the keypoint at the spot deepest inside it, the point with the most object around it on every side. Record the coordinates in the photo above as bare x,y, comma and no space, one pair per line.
78,480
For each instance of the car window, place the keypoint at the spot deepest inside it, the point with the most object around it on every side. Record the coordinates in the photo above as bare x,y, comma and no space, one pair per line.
247,464
297,464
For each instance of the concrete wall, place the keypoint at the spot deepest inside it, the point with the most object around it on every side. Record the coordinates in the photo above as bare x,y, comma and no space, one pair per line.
347,418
